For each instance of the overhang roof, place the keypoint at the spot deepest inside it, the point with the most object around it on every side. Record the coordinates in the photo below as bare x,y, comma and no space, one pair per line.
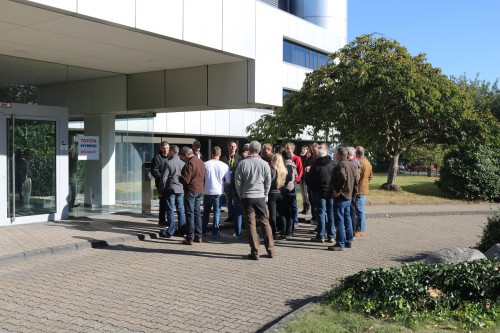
90,48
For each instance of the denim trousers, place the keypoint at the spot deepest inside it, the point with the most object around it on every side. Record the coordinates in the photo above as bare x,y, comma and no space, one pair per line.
175,201
255,213
360,212
192,201
324,216
228,191
343,224
238,216
209,201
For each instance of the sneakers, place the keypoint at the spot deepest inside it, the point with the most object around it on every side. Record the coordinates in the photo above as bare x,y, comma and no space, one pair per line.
198,240
360,233
336,248
270,254
330,240
317,240
253,256
348,245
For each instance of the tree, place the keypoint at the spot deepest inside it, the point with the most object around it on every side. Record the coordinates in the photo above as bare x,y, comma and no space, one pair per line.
375,92
18,94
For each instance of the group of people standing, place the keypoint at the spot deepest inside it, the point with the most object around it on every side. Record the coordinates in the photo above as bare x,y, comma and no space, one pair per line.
260,189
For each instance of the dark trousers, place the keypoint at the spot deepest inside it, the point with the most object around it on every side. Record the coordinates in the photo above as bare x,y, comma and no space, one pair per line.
255,213
286,214
272,199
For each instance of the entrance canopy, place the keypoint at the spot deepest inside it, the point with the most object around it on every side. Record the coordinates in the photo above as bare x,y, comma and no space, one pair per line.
91,47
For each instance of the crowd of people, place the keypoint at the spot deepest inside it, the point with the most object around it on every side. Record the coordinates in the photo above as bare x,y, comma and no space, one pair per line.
260,189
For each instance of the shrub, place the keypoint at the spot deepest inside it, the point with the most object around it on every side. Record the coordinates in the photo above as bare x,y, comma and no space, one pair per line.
491,233
472,172
468,292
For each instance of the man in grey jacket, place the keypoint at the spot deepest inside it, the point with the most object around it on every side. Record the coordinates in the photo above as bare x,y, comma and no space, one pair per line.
253,181
172,193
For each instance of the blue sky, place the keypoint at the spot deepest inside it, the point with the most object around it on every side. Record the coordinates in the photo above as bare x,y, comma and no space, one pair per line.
458,36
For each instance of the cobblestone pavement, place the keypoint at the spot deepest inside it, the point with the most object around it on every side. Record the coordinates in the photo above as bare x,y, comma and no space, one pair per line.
159,285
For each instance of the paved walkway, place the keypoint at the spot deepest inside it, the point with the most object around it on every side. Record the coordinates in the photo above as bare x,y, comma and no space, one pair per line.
160,285
28,241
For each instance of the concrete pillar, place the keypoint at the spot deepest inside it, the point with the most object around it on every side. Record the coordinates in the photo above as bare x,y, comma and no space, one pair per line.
100,174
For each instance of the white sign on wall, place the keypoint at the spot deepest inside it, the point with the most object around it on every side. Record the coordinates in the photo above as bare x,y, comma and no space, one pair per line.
88,148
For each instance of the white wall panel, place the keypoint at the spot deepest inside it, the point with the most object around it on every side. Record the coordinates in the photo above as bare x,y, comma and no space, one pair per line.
69,5
203,22
239,27
236,127
222,122
268,56
160,123
117,11
175,122
208,122
192,122
160,16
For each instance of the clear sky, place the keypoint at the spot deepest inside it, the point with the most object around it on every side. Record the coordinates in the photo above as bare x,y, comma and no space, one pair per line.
458,36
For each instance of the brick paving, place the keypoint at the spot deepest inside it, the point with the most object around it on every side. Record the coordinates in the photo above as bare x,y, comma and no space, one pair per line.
159,285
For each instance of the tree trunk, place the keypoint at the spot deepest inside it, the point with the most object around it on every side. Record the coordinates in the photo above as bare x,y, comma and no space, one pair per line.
392,174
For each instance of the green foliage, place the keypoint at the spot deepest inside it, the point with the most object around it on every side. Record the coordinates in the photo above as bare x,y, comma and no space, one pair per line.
468,292
18,94
491,233
472,172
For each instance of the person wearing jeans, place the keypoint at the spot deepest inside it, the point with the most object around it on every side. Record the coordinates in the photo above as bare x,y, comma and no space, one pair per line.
173,193
320,174
365,175
217,174
343,187
193,178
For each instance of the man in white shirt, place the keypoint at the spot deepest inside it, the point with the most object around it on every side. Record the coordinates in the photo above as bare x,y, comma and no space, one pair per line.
216,174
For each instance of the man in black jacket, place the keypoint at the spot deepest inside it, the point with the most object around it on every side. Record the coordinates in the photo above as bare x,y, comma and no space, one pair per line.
157,166
231,159
319,176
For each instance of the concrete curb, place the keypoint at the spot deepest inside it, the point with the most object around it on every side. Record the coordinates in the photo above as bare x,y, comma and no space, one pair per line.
444,213
67,248
284,321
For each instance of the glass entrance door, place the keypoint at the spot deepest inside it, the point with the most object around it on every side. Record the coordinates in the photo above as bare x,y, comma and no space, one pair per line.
31,177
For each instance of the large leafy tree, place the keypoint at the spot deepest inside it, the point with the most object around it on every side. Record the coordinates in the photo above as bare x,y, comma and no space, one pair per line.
376,93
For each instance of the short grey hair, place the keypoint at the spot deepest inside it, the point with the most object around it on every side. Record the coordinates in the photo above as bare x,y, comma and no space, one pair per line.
254,147
351,151
322,149
174,149
186,151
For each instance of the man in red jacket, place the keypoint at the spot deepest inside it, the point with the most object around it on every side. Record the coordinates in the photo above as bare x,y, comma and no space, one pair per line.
290,146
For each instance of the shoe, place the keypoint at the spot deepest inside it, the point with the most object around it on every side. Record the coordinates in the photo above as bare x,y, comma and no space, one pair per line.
282,237
270,254
317,240
253,256
348,245
330,240
187,242
198,240
163,233
162,224
336,248
360,233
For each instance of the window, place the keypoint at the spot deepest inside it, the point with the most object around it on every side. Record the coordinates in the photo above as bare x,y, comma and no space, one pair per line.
303,56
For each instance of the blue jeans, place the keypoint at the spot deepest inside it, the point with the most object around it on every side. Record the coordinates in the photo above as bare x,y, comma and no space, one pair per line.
325,216
238,216
360,212
173,201
343,223
209,201
192,201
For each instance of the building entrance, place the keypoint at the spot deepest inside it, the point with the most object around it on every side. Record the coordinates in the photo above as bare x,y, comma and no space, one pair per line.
31,177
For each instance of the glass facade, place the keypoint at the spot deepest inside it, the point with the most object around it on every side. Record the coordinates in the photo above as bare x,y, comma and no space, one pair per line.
302,56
